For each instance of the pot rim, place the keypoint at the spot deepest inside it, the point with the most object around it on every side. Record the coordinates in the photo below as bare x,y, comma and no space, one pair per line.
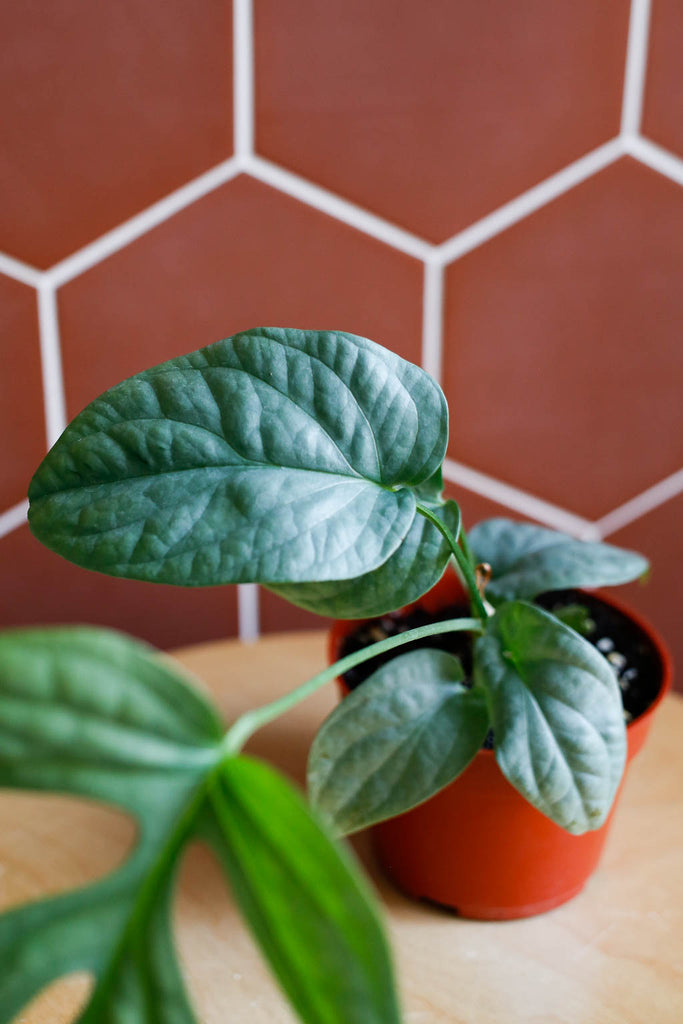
342,627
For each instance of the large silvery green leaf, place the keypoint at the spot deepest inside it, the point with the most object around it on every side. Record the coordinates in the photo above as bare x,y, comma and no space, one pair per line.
557,716
413,569
94,713
275,456
397,739
304,899
527,559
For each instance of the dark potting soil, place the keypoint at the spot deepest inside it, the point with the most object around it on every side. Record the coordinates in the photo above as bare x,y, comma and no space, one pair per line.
628,649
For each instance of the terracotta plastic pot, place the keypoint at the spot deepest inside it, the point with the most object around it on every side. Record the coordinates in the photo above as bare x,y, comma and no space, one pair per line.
478,847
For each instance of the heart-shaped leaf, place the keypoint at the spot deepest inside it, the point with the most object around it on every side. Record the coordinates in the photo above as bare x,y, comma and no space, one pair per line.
527,559
94,713
413,569
397,739
557,715
275,456
304,899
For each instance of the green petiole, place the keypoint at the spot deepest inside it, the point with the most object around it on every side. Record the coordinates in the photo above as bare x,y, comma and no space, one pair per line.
249,723
463,560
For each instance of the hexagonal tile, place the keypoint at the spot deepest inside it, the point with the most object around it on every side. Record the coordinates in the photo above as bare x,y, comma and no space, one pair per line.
658,535
22,422
243,256
279,616
107,108
563,361
40,588
432,117
663,100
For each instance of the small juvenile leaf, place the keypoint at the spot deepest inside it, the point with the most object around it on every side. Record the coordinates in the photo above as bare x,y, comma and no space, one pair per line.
397,739
303,897
556,713
577,617
274,456
527,560
413,569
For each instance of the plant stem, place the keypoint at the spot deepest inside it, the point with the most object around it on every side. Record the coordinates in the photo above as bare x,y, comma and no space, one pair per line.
247,724
464,544
478,606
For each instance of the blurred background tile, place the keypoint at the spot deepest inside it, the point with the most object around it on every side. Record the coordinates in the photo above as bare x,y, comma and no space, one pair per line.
564,363
105,109
561,351
663,105
243,256
657,535
434,115
22,422
39,587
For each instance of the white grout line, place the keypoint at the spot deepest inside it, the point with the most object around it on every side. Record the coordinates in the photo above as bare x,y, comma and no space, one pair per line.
531,200
13,518
11,267
639,506
636,67
320,198
520,501
432,319
655,157
248,611
51,362
243,49
140,224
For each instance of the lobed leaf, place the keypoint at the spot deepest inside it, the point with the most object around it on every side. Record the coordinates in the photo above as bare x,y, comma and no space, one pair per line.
556,712
527,560
397,739
303,898
94,713
413,569
274,456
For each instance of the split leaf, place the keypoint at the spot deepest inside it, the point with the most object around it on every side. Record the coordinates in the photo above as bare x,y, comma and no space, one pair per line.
305,901
94,713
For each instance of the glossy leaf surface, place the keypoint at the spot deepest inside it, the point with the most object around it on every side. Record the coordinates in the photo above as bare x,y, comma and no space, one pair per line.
527,560
556,711
274,456
394,741
305,901
414,568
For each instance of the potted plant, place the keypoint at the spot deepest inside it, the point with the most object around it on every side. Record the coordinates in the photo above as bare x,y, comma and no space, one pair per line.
310,462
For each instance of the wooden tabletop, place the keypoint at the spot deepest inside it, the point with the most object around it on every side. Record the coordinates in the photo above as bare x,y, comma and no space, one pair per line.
614,955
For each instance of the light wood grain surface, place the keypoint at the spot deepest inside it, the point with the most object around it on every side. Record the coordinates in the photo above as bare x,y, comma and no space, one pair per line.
614,955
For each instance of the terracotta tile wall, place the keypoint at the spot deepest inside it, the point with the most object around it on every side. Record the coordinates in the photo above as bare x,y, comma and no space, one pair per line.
492,190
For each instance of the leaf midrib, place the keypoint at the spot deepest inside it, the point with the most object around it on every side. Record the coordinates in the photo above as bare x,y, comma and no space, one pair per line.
149,887
94,717
390,488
